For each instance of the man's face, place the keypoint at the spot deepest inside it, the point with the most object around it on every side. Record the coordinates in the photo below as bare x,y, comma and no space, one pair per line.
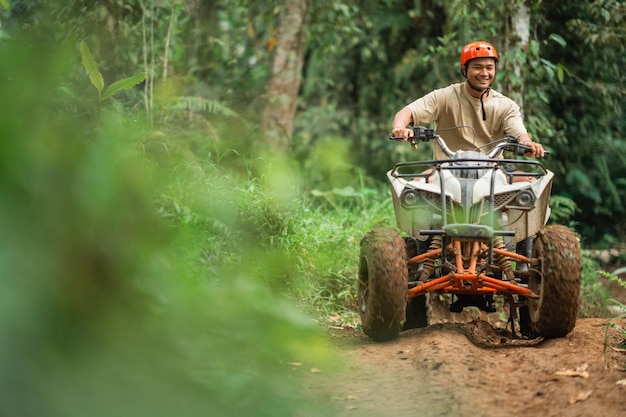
481,71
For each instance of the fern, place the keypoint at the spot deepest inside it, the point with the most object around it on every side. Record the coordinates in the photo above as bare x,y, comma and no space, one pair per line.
562,208
198,104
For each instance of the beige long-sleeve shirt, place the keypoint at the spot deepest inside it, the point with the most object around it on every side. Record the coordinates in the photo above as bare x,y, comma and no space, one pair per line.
453,106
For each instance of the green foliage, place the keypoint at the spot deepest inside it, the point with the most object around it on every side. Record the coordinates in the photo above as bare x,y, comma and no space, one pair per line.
202,105
562,209
337,234
594,292
112,307
621,307
607,26
308,223
586,111
615,277
365,61
97,80
89,63
123,84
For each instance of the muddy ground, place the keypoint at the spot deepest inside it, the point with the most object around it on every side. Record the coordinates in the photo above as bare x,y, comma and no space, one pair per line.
475,369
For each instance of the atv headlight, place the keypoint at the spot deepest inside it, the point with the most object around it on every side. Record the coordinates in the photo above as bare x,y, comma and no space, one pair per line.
525,199
409,197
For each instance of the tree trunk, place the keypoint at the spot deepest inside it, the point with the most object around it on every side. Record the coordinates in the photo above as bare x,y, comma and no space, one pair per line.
517,34
283,87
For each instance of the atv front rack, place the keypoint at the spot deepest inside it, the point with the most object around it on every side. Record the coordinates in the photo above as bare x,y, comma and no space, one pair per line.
424,169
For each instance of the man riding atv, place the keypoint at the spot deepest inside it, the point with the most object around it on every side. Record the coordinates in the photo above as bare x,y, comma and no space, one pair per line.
475,222
488,114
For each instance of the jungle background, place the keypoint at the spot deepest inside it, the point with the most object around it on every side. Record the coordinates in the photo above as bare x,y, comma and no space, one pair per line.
185,183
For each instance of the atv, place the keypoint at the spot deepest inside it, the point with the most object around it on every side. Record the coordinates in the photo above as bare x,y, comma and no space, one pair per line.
473,226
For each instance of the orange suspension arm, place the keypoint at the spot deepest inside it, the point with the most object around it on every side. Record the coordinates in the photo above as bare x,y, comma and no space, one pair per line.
419,258
434,285
453,282
512,255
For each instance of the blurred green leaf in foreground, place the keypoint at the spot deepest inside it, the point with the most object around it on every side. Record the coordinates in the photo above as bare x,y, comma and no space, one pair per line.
98,314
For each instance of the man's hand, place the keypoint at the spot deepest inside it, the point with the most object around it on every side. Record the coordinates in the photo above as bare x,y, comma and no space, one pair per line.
406,134
537,149
402,132
400,121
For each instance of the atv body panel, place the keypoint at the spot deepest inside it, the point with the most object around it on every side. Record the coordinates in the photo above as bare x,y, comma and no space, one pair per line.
519,207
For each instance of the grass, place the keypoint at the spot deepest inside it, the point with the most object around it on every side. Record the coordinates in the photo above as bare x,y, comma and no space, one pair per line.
143,274
312,236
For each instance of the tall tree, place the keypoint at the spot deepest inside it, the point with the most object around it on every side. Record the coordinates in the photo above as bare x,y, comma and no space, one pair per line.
516,37
286,77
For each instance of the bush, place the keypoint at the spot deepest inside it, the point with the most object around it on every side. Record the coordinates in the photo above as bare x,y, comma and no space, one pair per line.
112,305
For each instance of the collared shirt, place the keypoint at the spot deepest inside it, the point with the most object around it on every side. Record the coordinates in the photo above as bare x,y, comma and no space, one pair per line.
454,106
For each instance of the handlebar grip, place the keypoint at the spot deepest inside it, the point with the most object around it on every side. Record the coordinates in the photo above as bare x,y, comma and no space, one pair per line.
521,150
420,134
423,134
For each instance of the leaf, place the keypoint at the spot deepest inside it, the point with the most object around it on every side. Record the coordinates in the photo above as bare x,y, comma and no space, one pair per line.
619,271
581,371
5,4
558,39
584,183
124,84
560,73
91,67
346,192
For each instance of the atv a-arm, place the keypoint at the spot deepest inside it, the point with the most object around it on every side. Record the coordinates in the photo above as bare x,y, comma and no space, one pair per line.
468,280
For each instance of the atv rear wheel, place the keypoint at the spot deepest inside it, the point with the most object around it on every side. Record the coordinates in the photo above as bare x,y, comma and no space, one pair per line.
557,282
383,277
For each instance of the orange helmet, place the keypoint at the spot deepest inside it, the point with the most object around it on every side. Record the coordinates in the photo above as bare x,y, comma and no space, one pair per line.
478,49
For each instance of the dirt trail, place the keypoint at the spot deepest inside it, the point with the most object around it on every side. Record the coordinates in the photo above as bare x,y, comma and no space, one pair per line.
471,370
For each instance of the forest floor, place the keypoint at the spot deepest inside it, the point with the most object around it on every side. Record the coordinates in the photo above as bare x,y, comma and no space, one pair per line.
463,367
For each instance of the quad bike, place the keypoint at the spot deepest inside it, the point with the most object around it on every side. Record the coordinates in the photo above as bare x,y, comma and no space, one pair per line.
476,229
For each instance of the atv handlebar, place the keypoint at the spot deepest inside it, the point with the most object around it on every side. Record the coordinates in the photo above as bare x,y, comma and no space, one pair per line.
420,133
512,145
509,143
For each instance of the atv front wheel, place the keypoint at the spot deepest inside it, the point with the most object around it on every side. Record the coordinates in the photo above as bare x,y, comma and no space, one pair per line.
383,277
557,282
